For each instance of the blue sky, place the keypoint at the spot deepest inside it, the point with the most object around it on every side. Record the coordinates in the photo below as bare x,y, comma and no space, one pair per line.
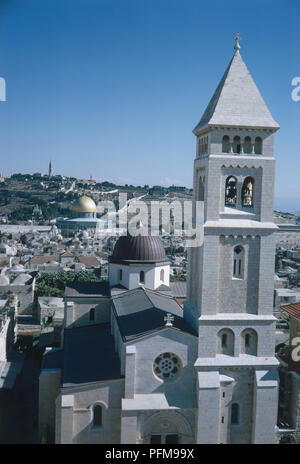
113,88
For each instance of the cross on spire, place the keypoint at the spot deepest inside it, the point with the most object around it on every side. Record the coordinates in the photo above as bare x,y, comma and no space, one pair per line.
237,38
169,319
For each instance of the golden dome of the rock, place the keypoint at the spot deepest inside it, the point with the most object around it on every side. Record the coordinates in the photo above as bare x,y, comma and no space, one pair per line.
84,204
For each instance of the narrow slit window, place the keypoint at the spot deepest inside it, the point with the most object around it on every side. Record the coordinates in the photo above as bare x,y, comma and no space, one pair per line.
97,416
92,314
235,414
238,262
142,277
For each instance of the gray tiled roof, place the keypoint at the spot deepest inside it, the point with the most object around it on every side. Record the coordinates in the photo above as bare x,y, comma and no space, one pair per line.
89,355
142,311
178,289
237,101
84,289
117,289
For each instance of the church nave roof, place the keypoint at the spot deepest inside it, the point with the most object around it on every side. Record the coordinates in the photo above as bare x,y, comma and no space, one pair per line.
142,311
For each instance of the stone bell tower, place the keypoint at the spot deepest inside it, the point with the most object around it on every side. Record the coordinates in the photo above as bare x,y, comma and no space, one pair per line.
230,287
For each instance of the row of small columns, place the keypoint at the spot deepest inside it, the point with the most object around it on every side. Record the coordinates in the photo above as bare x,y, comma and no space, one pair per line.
231,142
252,152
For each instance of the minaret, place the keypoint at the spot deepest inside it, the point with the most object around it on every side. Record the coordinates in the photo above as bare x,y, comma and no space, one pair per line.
231,280
50,169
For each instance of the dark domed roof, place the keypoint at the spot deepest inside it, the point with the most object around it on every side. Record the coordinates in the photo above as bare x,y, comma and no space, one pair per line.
140,248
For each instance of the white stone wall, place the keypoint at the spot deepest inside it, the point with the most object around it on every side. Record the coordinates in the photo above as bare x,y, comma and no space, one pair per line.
49,388
238,295
242,394
75,421
265,406
3,340
209,328
77,311
147,349
208,411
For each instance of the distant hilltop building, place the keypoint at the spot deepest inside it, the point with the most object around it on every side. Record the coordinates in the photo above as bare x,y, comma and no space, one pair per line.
50,169
37,213
83,217
89,181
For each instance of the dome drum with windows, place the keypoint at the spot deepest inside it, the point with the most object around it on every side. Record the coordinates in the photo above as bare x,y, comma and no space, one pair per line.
139,261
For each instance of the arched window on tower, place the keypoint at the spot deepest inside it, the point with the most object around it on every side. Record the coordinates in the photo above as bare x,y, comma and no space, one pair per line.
238,262
225,144
249,342
247,145
235,413
225,342
230,191
162,275
237,144
142,277
247,192
92,314
258,146
97,415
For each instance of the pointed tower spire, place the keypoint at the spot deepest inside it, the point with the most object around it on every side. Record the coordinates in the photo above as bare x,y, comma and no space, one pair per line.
237,101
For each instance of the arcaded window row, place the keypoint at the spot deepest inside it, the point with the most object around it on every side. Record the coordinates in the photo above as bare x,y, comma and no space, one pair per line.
226,339
242,145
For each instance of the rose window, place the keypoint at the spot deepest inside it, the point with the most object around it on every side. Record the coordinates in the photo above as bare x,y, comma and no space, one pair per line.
166,366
